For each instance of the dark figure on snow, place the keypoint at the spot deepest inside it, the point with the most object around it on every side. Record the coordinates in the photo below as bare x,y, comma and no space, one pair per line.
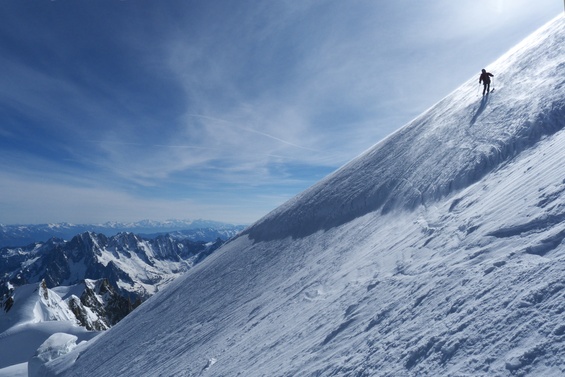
485,79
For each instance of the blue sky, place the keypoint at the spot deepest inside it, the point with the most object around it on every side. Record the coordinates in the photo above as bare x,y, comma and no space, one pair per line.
220,109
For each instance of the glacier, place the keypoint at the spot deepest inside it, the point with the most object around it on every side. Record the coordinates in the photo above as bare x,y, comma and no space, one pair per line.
438,252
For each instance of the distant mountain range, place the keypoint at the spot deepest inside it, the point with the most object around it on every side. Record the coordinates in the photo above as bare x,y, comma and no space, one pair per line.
195,230
92,280
134,265
99,273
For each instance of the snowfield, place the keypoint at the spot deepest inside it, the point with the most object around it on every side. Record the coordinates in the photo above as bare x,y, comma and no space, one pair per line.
439,252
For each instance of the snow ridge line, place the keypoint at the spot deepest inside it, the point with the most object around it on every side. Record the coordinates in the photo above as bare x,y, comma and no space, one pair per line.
451,146
411,186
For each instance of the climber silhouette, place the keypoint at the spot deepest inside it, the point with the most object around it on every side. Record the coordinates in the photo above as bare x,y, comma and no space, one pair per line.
485,79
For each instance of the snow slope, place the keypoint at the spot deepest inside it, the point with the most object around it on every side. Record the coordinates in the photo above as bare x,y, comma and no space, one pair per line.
40,312
439,252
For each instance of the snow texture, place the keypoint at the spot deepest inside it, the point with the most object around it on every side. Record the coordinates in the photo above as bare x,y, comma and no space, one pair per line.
439,252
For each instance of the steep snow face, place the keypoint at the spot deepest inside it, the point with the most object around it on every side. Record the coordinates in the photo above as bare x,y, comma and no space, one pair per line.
35,303
437,253
454,144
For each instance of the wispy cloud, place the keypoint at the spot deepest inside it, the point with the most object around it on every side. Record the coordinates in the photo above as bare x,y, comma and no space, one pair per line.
252,131
240,104
28,200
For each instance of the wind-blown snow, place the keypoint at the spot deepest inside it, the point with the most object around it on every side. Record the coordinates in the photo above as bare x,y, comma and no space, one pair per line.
439,252
454,144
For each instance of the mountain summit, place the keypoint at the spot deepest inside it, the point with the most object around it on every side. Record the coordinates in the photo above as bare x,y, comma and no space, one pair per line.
439,252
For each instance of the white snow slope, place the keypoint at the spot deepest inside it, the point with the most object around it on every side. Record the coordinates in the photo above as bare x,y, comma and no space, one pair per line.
439,252
40,313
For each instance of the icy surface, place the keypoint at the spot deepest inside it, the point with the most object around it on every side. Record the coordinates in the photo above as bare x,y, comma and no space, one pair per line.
56,345
439,252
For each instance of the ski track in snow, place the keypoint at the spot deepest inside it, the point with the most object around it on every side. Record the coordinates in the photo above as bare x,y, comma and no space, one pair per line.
439,252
